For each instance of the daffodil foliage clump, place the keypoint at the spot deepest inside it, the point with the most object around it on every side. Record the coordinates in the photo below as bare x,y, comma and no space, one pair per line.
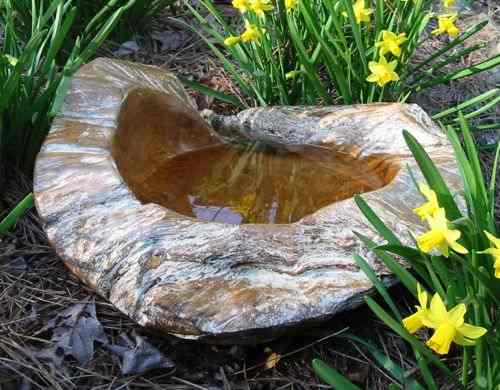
452,270
336,51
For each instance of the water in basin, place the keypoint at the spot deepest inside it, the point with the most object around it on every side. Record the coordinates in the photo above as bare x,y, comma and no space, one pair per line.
168,155
259,183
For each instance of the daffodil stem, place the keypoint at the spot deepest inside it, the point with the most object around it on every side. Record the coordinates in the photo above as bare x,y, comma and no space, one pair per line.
478,358
435,280
465,367
476,266
424,370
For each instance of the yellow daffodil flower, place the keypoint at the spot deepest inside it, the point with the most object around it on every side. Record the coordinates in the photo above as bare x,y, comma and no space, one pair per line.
292,74
449,326
232,40
12,61
261,6
495,252
391,43
251,33
291,4
362,14
448,3
242,5
415,322
429,208
447,25
382,72
439,236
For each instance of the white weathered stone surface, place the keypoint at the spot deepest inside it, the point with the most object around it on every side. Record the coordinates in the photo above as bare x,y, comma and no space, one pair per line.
211,281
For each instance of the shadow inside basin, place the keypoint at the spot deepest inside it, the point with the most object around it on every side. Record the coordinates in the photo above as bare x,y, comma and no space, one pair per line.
168,155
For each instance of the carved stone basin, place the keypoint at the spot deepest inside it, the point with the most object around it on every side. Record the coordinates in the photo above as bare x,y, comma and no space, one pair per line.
231,232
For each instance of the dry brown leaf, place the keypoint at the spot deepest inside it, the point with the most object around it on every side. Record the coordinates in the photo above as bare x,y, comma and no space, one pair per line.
272,360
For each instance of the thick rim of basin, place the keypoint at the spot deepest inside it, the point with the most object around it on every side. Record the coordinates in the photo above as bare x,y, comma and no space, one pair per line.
204,279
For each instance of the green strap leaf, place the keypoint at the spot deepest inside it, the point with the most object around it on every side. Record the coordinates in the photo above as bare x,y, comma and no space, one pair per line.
469,103
432,176
382,290
396,371
11,219
397,269
332,376
403,333
199,87
376,222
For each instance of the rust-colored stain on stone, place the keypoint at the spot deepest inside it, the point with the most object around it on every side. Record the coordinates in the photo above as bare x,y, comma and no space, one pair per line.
132,181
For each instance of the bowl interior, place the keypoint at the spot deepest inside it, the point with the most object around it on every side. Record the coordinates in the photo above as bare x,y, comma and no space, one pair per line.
168,155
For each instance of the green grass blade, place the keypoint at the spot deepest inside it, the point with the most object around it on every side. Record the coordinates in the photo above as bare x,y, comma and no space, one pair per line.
356,30
405,252
332,376
397,269
491,286
455,42
473,157
432,176
461,73
403,333
311,73
376,222
471,102
199,87
382,290
62,90
493,181
492,104
396,371
11,219
331,60
101,36
58,40
453,58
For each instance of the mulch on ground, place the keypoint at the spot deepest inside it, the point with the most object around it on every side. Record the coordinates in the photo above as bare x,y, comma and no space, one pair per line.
35,289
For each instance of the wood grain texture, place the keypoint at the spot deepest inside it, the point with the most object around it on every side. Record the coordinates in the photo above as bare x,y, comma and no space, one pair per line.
213,281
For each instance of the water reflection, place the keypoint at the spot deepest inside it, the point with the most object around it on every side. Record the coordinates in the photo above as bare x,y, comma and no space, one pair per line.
260,183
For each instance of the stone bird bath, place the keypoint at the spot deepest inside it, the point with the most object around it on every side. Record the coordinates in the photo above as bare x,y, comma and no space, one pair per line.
113,176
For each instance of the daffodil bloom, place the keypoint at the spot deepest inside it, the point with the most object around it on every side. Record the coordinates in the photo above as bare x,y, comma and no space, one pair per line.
440,236
448,3
449,326
261,6
495,252
12,61
251,33
429,208
361,13
415,322
292,74
291,4
382,71
232,40
391,43
446,24
242,5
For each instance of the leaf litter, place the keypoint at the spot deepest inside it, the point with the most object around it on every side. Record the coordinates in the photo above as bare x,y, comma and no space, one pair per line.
76,331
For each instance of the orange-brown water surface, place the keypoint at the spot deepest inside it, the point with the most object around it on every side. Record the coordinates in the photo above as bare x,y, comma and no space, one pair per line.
260,183
167,154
